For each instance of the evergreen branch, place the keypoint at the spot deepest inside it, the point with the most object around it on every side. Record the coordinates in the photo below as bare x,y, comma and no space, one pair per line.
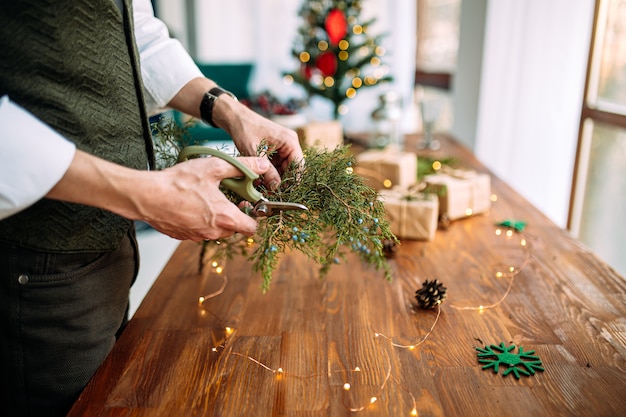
344,215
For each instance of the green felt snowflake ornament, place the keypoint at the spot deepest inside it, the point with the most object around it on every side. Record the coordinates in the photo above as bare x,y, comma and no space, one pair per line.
524,363
517,225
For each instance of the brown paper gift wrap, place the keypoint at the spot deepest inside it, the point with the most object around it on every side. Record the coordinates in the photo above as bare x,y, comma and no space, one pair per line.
322,135
387,168
461,193
411,215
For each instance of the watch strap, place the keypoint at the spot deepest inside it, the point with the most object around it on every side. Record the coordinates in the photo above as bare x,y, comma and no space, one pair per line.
208,103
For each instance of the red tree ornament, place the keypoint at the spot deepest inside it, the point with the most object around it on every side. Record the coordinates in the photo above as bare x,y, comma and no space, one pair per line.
336,26
327,64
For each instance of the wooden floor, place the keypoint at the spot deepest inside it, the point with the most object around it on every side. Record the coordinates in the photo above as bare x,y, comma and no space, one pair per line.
292,351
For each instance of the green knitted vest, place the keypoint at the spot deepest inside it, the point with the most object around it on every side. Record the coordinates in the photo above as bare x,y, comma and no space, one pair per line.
74,64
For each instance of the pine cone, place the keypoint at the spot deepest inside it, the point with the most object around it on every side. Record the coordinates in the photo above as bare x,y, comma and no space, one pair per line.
389,248
431,294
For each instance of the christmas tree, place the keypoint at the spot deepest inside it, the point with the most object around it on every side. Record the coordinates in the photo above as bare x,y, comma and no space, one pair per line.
337,55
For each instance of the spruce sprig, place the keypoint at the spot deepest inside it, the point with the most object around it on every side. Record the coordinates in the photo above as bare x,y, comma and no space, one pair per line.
344,216
168,138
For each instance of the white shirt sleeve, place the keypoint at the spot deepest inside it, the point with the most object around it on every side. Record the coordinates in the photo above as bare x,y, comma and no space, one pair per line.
33,158
165,64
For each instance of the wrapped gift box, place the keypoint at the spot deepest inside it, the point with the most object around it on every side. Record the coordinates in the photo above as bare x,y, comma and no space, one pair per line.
411,215
461,193
387,168
322,135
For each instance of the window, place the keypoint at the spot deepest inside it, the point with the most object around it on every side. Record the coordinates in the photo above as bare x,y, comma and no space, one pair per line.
598,204
436,56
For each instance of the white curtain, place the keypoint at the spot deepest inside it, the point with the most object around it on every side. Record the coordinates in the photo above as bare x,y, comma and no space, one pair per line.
532,83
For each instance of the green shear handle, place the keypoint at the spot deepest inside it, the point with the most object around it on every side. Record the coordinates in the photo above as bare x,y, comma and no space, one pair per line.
243,186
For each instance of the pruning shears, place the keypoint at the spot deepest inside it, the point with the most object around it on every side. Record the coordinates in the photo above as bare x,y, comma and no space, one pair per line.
243,186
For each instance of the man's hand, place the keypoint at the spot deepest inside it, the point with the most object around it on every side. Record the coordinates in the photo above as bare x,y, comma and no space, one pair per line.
193,207
247,128
183,201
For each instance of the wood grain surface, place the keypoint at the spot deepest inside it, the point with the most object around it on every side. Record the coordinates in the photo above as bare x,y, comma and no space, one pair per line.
292,351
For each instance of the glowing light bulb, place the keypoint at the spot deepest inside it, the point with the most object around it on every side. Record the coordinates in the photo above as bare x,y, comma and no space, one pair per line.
499,274
498,232
357,369
200,300
523,242
214,264
229,330
219,269
411,347
305,56
511,268
468,211
346,386
414,411
373,400
280,370
387,183
509,233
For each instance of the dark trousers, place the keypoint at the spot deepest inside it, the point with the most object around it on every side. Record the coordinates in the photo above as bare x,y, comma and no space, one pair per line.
60,315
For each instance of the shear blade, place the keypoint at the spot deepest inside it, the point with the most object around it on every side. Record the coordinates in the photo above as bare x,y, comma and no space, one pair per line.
269,208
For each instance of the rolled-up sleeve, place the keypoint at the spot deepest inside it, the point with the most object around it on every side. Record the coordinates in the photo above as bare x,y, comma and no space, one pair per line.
165,64
33,158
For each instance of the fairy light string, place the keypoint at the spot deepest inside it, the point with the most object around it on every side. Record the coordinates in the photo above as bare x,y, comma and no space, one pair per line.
506,271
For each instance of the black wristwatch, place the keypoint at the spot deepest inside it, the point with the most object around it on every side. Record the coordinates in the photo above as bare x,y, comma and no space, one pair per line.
208,102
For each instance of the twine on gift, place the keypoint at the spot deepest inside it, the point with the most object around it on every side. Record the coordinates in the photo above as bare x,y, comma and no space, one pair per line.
413,193
463,174
460,174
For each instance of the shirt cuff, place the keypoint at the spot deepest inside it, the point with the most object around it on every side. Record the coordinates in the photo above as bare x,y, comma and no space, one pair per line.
161,80
165,64
33,158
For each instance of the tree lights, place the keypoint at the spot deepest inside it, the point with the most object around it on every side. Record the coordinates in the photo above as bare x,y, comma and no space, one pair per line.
337,55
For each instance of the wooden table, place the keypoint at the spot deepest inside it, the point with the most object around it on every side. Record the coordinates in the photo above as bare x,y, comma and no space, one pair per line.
292,351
